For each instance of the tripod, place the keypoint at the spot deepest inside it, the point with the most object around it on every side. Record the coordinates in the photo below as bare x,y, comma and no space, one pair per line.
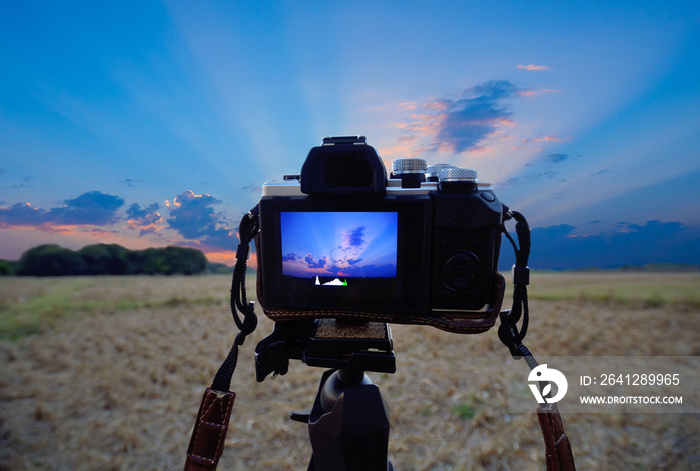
349,421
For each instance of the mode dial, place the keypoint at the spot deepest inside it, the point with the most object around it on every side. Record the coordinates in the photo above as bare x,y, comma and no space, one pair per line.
433,172
404,166
410,171
457,181
457,175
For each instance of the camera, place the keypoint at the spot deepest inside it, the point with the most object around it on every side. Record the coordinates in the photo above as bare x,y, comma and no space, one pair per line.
344,240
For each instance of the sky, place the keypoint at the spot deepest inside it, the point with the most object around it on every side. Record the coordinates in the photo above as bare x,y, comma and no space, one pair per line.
354,244
156,123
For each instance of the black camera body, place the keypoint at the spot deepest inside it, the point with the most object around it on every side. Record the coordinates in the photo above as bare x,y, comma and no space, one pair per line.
343,240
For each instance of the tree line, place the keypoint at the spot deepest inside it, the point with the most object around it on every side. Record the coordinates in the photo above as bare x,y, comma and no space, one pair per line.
109,259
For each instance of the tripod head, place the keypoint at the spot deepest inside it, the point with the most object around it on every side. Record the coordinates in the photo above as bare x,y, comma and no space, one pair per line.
326,343
349,421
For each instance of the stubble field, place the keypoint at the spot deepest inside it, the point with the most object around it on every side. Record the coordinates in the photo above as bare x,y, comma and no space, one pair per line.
107,373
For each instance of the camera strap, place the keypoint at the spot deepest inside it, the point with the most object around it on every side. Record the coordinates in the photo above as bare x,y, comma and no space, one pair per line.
558,453
508,331
211,424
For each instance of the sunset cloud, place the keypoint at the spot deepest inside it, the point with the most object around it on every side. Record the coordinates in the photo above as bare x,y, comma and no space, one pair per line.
190,216
22,214
194,218
458,125
94,208
534,68
546,139
91,208
147,220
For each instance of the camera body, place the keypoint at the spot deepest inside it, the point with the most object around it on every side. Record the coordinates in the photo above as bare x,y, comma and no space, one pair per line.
344,240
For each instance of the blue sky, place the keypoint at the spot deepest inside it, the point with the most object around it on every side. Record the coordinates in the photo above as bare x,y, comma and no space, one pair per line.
357,244
155,123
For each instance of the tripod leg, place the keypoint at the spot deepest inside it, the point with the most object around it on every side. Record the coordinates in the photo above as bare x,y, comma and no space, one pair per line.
352,433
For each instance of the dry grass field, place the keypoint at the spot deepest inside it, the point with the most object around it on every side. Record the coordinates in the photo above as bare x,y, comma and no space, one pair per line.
107,374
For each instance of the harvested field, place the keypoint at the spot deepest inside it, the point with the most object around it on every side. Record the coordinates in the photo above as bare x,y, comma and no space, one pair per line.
107,373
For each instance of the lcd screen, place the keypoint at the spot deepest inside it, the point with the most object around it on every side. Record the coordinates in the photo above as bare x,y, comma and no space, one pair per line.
331,247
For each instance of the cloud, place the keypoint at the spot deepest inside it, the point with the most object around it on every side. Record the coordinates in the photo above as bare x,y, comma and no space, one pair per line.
135,211
130,182
22,214
532,67
254,188
313,263
194,218
147,220
354,238
550,159
19,186
532,178
656,229
546,139
371,271
26,183
308,261
462,124
556,158
91,208
309,265
190,216
559,247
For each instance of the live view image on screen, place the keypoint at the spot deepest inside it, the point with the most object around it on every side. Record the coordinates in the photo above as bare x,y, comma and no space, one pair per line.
330,247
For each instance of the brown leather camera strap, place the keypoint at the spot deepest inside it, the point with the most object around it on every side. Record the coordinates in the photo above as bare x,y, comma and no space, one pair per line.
558,454
209,434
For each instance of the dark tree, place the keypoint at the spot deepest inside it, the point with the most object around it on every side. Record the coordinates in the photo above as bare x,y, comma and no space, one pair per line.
105,259
185,260
108,259
50,260
7,268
